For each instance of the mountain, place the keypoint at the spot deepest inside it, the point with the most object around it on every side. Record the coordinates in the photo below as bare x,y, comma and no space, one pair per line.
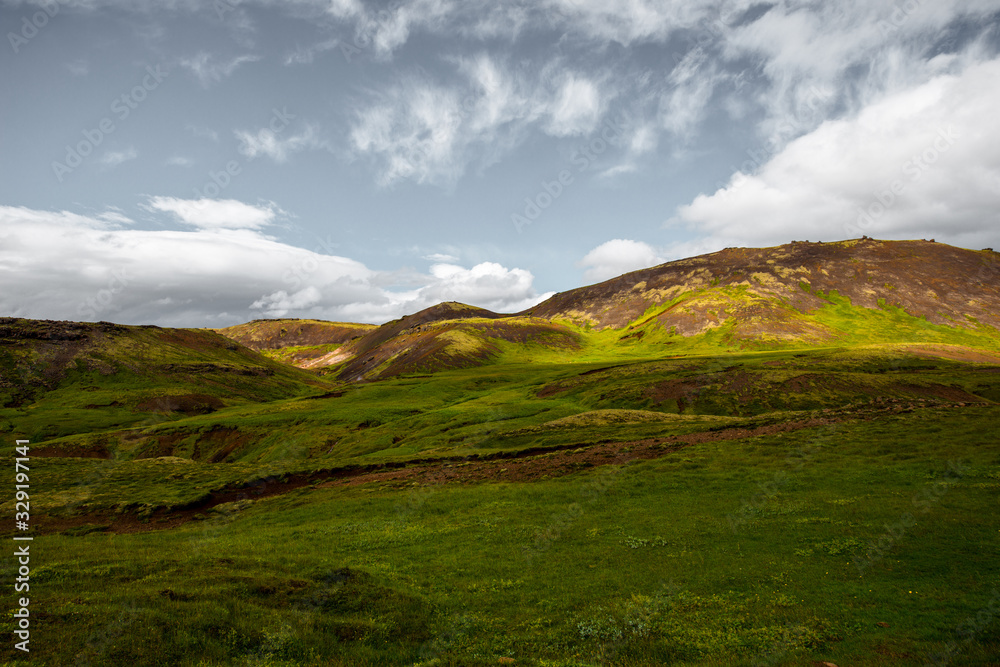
769,293
854,292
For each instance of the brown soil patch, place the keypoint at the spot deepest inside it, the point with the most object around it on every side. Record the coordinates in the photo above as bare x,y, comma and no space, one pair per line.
189,404
680,391
92,452
955,353
551,390
939,391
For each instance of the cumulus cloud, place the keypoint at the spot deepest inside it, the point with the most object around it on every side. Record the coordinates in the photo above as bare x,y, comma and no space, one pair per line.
924,162
618,256
489,283
63,265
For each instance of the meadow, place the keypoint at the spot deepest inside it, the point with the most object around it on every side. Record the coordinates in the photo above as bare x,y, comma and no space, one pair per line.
790,505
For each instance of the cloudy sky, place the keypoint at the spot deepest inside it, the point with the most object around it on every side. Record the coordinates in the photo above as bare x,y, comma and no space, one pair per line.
208,162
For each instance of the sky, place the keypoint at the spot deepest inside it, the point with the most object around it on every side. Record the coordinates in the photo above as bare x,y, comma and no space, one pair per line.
206,163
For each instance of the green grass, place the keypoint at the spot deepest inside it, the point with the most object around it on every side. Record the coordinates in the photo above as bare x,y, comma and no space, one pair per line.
869,541
640,565
458,412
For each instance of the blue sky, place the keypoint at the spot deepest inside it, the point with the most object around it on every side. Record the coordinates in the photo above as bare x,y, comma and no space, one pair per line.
206,163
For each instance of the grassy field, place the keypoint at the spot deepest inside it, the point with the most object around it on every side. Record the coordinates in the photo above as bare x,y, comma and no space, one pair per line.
864,542
638,500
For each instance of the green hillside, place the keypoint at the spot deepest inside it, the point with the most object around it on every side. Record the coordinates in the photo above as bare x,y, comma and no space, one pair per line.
59,378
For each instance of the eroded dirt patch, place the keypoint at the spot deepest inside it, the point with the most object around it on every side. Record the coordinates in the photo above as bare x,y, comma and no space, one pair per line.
954,353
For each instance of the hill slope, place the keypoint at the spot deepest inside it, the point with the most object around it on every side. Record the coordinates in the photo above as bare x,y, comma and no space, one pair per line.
449,335
58,378
294,341
769,292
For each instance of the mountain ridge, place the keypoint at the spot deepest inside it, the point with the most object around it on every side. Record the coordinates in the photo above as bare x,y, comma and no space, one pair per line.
800,293
739,266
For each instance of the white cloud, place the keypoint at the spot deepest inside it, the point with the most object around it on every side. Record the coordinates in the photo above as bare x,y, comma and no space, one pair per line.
62,265
430,132
270,143
114,158
576,108
625,21
692,81
388,30
618,256
216,213
806,57
441,258
114,216
488,284
923,162
808,62
788,66
413,130
281,302
208,70
179,161
343,9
